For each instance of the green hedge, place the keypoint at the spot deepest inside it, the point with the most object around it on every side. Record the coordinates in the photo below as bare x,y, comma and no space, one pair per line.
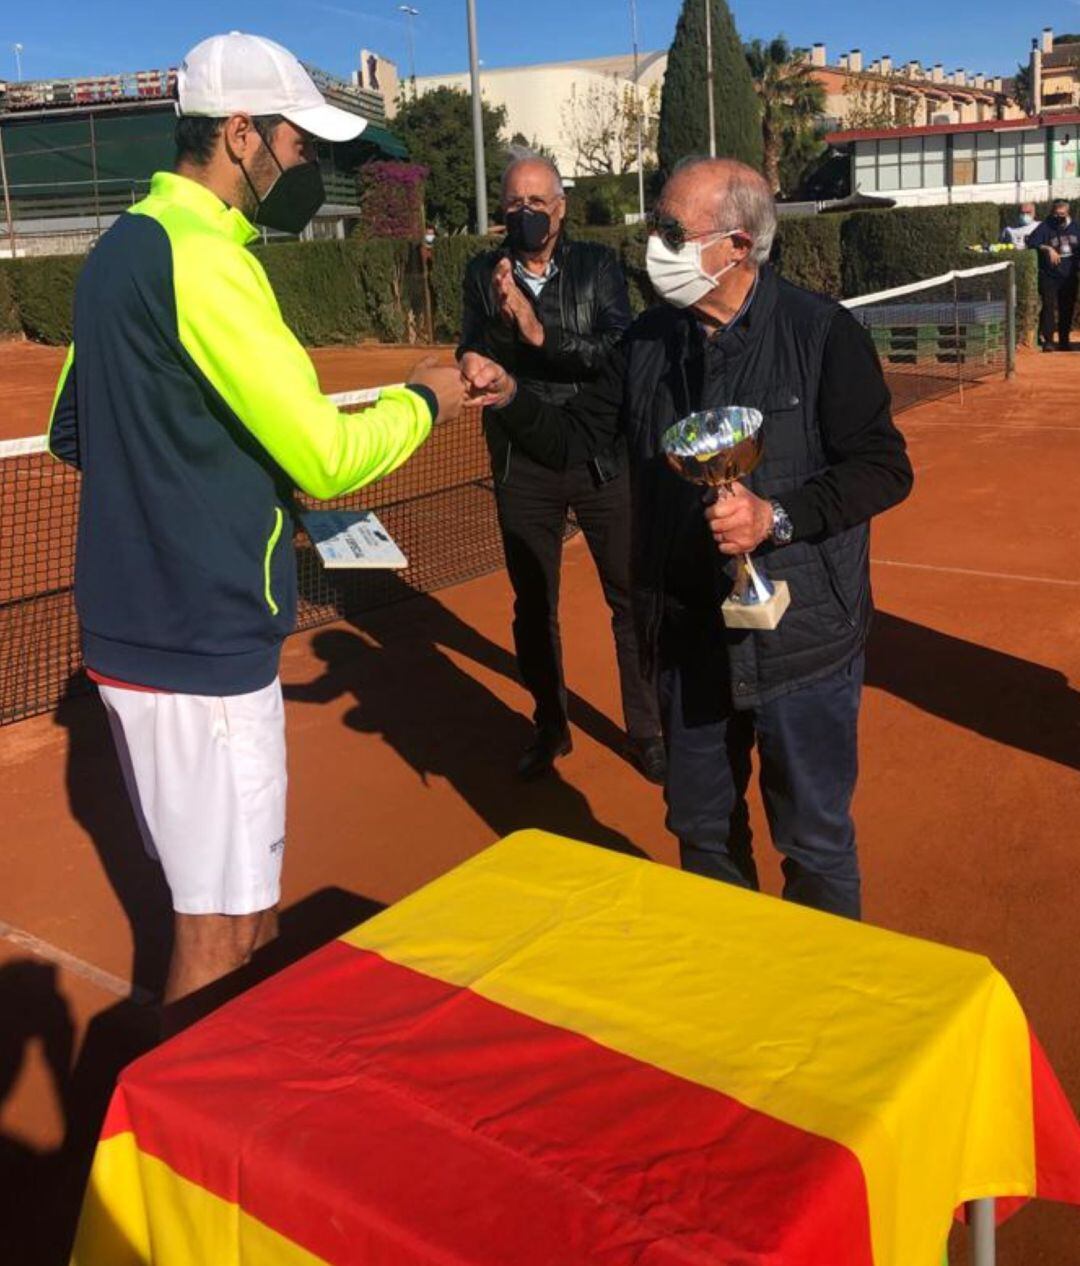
448,260
345,291
1027,295
43,293
340,291
1026,265
601,200
808,251
881,249
9,312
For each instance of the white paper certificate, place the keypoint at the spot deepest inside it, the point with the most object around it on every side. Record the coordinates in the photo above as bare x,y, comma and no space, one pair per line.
352,538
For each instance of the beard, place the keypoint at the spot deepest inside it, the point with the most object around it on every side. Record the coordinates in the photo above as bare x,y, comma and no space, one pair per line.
262,171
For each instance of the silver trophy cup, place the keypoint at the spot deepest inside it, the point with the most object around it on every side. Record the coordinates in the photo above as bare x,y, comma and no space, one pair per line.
714,448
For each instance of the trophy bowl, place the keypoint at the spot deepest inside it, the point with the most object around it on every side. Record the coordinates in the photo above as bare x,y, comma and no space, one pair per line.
714,448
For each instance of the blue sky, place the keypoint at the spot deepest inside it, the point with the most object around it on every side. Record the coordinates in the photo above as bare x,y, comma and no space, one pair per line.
102,36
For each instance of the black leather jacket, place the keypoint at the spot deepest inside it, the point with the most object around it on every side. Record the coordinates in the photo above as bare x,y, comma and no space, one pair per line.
584,310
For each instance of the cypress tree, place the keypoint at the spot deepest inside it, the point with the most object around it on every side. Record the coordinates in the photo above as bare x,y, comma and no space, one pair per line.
684,108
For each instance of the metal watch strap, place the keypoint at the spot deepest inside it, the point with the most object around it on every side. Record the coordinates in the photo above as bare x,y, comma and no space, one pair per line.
783,530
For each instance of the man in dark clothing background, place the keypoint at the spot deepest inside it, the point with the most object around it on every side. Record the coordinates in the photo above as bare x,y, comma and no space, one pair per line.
1057,240
733,333
550,310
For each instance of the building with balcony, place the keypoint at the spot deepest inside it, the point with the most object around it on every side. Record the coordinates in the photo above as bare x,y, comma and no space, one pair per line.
907,93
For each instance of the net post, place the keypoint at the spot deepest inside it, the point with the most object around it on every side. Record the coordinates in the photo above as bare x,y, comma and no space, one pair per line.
1010,319
956,336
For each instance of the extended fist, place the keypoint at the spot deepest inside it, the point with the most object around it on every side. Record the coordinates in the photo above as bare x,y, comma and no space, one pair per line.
486,382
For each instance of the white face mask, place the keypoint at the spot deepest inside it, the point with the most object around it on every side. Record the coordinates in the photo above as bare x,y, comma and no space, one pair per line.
429,238
677,276
1026,217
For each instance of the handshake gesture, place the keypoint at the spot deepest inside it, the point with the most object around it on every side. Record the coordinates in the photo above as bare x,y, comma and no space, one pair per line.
476,381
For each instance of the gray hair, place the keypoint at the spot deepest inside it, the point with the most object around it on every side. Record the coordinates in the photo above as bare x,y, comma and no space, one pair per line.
522,156
743,201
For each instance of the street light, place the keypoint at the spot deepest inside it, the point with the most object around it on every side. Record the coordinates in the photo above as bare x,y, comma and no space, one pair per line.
477,122
637,111
709,78
17,50
410,13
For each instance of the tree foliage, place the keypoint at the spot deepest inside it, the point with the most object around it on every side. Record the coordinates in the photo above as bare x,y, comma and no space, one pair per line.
873,104
600,127
684,110
437,127
791,101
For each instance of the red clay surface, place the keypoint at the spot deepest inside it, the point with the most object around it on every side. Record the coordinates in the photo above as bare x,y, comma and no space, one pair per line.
403,730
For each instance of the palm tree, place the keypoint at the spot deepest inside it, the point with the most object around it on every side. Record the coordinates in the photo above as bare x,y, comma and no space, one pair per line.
790,97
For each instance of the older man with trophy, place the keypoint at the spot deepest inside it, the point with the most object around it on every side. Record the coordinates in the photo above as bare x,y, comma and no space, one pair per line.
761,443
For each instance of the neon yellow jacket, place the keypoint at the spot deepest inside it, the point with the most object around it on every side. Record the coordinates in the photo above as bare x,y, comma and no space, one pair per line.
193,412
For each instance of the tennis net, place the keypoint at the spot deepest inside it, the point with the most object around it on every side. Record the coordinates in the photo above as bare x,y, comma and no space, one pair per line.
938,336
439,507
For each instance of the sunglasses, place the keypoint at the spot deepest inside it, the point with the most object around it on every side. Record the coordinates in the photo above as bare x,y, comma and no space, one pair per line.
674,234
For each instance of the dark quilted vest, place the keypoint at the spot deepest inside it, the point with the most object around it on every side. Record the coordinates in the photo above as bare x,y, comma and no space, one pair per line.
771,361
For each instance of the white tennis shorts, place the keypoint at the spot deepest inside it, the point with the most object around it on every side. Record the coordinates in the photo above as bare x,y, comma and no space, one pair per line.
206,777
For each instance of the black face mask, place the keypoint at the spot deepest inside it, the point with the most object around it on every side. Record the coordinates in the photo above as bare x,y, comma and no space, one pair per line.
292,199
527,230
1061,219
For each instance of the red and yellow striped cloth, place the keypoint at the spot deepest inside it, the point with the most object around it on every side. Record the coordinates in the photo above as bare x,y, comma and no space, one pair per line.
559,1055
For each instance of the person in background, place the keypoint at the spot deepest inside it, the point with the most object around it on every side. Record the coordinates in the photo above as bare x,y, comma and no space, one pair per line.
1057,240
550,310
1017,234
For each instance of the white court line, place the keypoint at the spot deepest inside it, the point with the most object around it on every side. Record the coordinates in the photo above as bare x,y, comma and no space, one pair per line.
970,571
77,966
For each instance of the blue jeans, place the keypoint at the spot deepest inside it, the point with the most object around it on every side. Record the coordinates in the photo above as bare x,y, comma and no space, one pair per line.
808,750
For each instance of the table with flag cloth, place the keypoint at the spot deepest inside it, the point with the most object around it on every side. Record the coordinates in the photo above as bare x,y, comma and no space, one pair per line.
557,1054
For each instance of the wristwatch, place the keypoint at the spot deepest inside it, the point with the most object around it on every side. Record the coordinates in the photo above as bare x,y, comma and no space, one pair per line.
783,530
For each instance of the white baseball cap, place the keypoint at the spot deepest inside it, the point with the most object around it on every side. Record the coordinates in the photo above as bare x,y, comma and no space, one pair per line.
247,74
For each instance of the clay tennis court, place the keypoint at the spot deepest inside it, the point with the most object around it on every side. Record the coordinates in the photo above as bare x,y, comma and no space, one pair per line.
404,726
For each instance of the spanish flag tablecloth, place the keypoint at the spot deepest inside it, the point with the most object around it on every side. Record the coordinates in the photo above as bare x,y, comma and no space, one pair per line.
559,1055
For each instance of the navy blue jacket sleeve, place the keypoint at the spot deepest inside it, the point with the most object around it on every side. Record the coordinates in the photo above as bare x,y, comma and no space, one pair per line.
1039,236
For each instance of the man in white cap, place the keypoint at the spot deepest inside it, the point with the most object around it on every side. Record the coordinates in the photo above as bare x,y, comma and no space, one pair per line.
193,413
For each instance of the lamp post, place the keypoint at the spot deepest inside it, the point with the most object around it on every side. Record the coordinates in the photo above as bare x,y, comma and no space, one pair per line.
637,111
409,13
477,122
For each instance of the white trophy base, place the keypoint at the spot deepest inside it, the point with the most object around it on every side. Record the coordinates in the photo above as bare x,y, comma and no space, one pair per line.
758,615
